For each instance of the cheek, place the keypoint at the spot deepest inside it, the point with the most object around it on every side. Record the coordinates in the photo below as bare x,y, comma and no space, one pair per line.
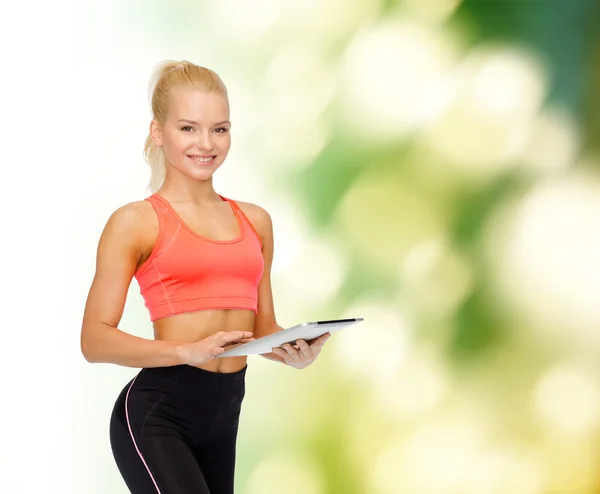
177,142
225,142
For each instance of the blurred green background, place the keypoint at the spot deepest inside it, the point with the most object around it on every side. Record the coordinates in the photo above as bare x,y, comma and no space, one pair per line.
431,166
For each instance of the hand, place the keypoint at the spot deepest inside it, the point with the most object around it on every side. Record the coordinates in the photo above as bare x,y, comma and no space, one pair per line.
303,354
201,351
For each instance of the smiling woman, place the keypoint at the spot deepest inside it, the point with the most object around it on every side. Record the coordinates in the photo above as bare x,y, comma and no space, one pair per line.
191,94
203,264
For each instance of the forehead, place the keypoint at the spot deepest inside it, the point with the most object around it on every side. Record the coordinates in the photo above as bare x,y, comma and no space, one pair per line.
201,106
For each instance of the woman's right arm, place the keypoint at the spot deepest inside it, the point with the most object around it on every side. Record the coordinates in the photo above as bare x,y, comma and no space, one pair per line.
119,251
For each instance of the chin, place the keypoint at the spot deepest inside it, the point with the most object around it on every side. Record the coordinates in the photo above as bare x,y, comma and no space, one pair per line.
202,174
197,171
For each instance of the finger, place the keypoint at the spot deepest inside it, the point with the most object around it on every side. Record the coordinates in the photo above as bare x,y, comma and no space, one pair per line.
317,345
323,338
291,350
230,345
233,344
304,348
234,336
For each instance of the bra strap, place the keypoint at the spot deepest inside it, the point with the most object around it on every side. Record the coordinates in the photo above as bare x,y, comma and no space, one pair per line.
247,221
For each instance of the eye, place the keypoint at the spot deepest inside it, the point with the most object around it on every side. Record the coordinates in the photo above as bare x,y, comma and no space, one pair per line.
223,129
185,127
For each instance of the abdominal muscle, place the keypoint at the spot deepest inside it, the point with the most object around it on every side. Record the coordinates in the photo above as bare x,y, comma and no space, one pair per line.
197,325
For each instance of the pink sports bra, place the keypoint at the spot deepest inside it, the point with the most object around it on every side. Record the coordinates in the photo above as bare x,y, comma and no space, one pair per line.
188,272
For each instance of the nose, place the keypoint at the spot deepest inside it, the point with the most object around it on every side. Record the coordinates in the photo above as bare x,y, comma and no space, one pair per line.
204,141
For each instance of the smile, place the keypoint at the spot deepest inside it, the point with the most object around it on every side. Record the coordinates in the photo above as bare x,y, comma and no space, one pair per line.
203,160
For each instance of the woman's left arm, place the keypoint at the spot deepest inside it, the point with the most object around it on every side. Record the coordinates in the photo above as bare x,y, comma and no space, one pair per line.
265,323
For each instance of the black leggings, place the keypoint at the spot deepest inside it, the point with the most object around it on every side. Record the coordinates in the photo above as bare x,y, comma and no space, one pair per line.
173,430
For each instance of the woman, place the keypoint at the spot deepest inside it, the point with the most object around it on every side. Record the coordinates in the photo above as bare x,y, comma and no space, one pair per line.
203,264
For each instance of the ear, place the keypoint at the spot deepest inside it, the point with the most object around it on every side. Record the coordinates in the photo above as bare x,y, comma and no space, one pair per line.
156,133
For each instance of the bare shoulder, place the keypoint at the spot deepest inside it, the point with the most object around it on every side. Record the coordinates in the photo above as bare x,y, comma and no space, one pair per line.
134,224
134,211
258,216
134,217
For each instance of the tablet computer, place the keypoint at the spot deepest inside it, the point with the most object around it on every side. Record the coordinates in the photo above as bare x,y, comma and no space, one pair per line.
304,331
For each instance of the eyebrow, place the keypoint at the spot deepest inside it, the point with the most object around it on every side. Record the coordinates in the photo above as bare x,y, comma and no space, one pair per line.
196,123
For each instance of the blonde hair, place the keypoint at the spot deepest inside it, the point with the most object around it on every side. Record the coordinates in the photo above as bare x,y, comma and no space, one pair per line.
167,75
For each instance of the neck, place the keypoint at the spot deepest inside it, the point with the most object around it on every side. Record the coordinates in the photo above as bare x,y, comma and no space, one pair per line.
196,191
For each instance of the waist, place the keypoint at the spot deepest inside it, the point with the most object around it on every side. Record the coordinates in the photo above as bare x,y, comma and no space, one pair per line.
197,325
194,378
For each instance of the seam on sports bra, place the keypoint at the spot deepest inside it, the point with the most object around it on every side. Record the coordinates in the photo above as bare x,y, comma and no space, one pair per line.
163,286
171,302
171,240
249,222
157,242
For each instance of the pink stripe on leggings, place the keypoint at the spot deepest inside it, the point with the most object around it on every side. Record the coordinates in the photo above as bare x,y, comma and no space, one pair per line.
133,439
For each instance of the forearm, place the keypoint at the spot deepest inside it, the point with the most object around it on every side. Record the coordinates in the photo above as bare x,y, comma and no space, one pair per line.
107,344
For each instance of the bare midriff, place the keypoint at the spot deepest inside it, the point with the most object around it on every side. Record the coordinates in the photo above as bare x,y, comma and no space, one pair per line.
197,325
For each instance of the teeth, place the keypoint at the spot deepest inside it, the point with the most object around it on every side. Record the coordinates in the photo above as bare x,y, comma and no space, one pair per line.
201,160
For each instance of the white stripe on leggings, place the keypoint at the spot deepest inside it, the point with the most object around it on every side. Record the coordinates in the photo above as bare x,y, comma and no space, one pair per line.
133,439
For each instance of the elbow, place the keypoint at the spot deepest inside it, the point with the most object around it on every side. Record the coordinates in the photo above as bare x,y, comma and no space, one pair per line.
85,351
87,346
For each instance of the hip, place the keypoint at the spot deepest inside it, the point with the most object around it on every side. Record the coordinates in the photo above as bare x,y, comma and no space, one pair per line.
186,396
